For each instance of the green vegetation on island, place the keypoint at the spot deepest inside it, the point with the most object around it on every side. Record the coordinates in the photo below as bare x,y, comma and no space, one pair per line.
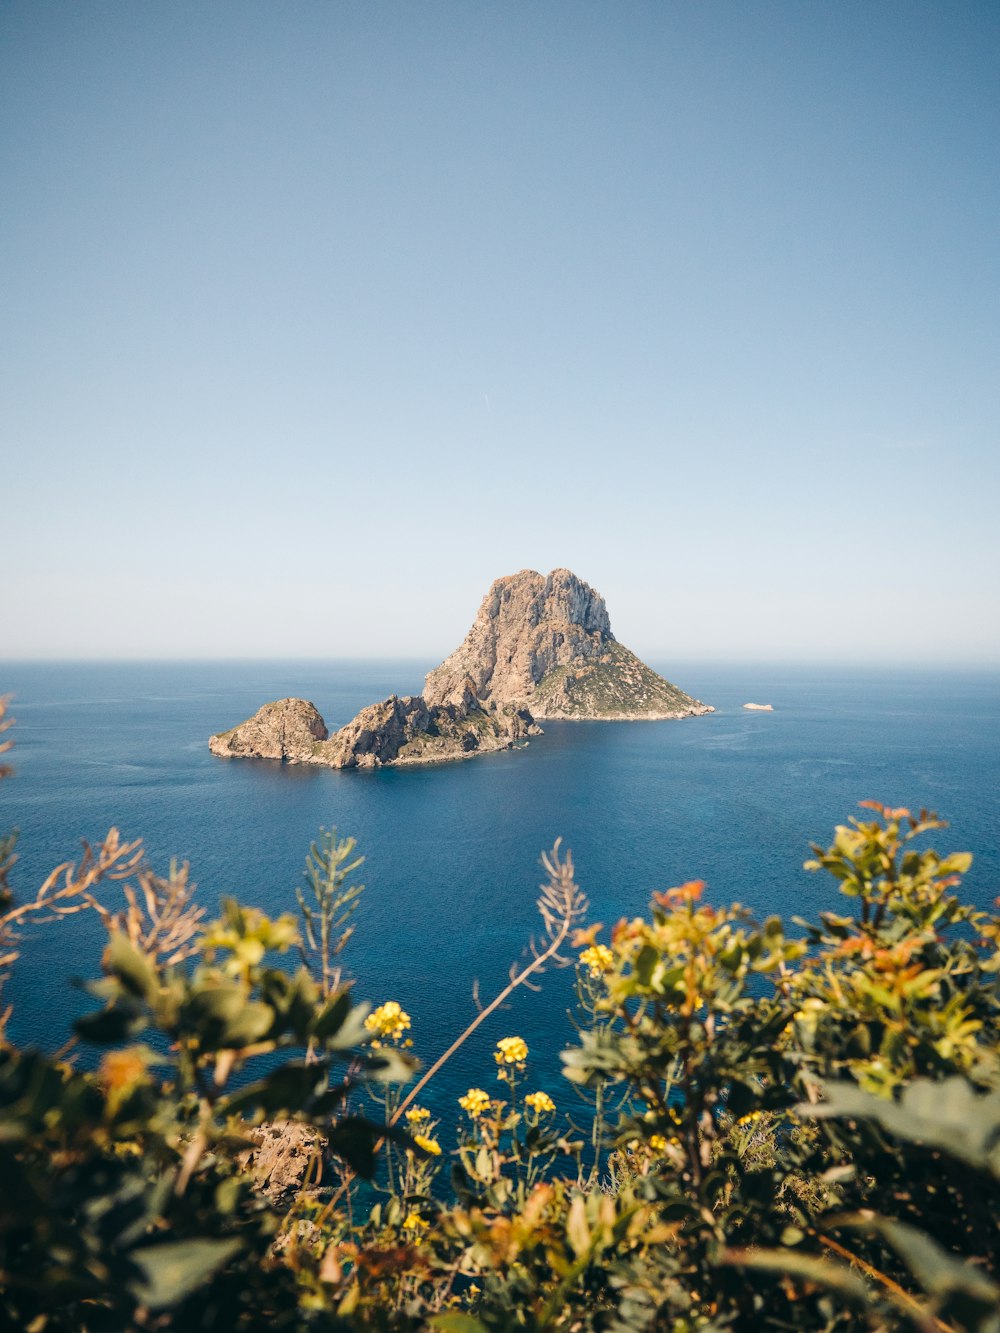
614,686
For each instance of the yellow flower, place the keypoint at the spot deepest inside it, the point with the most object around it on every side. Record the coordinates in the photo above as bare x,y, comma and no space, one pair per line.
429,1145
510,1051
475,1102
598,958
416,1115
659,1143
749,1118
414,1222
539,1101
388,1020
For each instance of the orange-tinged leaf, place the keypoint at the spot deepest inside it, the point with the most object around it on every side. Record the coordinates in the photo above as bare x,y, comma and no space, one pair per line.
684,893
583,939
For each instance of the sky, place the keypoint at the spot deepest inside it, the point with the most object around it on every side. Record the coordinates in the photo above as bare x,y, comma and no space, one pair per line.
315,318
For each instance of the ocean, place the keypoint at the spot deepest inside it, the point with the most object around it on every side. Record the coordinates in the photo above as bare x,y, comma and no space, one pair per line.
452,851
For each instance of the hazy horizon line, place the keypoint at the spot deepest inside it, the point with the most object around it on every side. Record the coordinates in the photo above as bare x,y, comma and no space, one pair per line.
951,664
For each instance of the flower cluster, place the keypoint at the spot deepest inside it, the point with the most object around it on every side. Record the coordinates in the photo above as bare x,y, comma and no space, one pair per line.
540,1101
598,959
389,1020
474,1102
418,1115
511,1051
428,1144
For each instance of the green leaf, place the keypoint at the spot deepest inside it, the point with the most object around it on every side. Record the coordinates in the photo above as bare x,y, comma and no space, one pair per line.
331,1017
390,1066
793,1264
213,1006
174,1269
108,1027
354,1140
937,1271
290,1088
132,968
484,1164
222,1016
741,1099
456,1322
352,1031
302,1001
949,1115
645,962
253,1021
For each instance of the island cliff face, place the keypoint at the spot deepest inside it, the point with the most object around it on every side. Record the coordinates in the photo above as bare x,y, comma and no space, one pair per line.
540,647
546,644
287,729
395,731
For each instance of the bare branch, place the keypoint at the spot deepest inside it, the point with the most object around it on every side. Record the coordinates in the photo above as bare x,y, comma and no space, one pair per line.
160,917
561,904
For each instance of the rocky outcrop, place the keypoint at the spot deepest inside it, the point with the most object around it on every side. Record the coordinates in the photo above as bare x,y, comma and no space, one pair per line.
287,729
545,644
407,731
280,1154
540,647
395,731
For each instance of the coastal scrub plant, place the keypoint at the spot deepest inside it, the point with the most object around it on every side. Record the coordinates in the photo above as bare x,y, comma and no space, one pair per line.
508,1143
129,1204
761,1115
387,1025
328,907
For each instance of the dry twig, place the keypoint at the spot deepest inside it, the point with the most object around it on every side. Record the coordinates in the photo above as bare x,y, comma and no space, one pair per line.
561,903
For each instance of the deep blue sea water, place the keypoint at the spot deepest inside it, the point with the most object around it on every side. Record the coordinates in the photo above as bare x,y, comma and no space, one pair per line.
452,851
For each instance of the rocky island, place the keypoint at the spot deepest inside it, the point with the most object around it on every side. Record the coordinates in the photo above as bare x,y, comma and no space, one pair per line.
540,648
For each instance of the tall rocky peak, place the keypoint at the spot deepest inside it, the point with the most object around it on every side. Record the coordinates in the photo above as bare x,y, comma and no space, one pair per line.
545,644
540,647
527,626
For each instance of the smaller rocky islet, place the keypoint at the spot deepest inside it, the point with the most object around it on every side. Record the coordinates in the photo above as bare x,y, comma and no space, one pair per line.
540,648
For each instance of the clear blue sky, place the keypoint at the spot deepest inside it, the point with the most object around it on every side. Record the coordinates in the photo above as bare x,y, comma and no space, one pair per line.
316,317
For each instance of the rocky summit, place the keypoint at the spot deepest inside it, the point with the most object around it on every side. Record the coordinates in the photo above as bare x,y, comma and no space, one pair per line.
545,643
540,647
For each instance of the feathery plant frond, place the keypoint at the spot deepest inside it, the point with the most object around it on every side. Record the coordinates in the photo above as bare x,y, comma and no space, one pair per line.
67,890
561,905
326,917
160,917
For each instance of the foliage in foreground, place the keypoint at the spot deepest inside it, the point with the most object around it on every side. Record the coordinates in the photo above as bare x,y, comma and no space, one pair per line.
790,1131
